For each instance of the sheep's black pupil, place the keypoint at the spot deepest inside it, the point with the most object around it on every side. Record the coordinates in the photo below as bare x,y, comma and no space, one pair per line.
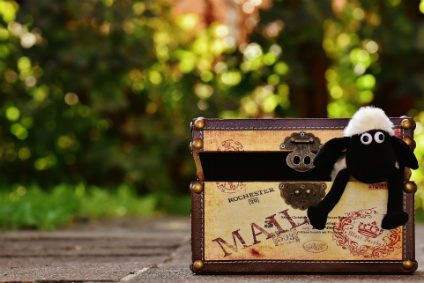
380,137
365,138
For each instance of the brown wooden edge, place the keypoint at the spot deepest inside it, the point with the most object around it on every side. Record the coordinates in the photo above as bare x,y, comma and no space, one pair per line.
270,124
197,218
302,267
199,266
408,198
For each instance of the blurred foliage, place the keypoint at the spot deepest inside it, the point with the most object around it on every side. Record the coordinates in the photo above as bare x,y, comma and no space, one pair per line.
101,92
32,207
35,208
91,93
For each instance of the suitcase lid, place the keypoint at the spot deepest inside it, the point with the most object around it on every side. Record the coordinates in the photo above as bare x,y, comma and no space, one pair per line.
268,149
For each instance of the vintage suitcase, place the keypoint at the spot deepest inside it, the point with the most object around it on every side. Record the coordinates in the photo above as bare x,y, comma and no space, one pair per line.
255,182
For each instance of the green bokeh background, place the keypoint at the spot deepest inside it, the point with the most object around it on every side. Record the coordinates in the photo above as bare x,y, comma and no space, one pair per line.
96,96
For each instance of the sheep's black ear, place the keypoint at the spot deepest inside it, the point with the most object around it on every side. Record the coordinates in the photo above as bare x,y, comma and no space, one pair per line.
404,153
330,152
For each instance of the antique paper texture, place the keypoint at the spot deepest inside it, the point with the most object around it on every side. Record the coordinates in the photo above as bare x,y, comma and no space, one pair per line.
258,140
251,221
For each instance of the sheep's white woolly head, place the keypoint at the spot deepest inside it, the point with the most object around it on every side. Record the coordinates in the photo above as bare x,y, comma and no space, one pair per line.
366,119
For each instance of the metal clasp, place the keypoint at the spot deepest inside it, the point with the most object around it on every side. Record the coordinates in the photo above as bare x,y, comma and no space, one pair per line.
302,146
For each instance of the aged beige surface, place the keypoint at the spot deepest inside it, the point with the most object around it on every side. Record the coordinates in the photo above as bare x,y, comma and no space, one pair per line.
258,140
250,220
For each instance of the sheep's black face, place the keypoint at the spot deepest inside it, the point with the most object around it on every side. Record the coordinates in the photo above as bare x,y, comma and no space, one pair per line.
370,157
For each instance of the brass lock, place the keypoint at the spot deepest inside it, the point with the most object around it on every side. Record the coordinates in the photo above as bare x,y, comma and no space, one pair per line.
302,195
302,146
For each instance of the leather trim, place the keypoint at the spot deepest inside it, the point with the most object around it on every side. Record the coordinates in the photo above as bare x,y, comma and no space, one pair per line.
394,267
408,206
197,226
279,124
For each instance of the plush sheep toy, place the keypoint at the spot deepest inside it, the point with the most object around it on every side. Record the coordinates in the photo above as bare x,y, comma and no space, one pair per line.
370,153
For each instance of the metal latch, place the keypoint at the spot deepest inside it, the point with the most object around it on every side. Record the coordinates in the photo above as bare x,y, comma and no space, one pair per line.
302,195
302,146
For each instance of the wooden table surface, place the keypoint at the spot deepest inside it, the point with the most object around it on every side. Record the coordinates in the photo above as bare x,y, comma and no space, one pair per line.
135,250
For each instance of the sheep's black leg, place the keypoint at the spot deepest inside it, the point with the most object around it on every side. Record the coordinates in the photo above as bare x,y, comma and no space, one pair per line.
395,215
318,214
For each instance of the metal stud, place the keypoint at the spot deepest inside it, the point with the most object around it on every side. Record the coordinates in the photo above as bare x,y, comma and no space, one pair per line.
197,264
407,123
197,143
199,123
408,264
196,187
308,191
297,192
410,187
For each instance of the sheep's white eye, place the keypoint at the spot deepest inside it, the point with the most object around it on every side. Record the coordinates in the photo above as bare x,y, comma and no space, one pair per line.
366,138
379,137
